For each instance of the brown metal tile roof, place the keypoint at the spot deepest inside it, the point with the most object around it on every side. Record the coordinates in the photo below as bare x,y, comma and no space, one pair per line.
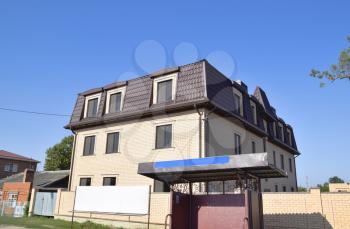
198,84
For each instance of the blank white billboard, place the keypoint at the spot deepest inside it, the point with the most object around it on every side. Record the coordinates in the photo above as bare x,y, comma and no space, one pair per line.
129,200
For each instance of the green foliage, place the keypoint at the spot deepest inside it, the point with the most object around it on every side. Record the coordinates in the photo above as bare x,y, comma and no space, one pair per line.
335,179
26,210
302,189
341,70
324,187
49,223
58,157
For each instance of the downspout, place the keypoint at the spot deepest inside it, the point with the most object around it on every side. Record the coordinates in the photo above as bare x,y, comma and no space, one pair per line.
200,113
295,172
72,161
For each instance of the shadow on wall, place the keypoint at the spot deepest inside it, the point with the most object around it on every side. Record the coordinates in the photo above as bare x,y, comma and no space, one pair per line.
296,221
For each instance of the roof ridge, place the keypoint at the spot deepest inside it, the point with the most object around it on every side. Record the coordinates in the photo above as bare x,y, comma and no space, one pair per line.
148,75
8,154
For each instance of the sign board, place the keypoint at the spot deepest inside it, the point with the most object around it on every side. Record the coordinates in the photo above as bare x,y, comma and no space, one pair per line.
128,200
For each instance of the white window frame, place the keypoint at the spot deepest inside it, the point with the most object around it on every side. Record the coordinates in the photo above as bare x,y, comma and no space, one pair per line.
12,196
111,132
282,131
254,112
155,134
14,168
274,129
87,176
111,175
290,136
87,98
265,125
7,168
240,95
160,79
115,91
240,143
251,145
84,137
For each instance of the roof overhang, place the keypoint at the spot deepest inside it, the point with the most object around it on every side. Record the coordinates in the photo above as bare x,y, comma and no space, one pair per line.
219,168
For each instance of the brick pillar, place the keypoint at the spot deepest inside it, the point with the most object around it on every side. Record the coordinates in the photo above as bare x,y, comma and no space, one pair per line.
28,175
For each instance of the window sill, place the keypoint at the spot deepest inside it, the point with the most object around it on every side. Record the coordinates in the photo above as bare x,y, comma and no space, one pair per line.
92,155
161,149
115,153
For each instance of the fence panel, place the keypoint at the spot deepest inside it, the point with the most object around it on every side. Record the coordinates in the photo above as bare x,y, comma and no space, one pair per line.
45,203
12,208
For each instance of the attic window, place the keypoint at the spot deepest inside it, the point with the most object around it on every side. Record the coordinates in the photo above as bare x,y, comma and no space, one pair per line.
280,130
91,106
254,115
289,136
237,103
164,92
164,89
265,125
115,100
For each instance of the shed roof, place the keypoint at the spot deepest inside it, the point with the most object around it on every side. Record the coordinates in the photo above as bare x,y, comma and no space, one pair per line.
219,168
41,179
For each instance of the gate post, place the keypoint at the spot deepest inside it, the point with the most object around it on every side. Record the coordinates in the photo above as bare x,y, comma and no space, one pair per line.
32,202
190,210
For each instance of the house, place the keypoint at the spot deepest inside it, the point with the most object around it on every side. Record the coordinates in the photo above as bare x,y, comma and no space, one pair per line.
190,111
11,163
18,187
37,189
339,187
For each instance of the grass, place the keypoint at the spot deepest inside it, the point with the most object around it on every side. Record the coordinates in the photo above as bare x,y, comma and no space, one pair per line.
49,223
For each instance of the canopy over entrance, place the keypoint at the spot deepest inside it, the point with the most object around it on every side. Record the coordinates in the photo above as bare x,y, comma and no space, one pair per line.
219,168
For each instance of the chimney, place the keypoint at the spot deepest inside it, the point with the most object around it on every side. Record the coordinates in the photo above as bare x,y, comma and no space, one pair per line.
243,85
28,175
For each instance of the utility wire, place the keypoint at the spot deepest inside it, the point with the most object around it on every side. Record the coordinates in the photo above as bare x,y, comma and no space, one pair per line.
33,112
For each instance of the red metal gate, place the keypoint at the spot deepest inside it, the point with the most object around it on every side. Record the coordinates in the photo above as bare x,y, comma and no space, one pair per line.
224,211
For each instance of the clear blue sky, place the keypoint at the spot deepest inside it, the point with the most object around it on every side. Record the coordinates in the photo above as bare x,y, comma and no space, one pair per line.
52,50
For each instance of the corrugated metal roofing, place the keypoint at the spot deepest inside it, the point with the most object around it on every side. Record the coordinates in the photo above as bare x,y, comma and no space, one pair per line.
41,179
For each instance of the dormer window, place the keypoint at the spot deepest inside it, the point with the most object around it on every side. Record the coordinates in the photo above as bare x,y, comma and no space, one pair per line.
274,129
289,136
164,89
164,92
254,114
115,100
265,125
280,130
91,106
237,101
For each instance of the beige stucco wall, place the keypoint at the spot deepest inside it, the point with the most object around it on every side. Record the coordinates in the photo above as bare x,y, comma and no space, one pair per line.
307,210
339,187
221,141
288,182
137,144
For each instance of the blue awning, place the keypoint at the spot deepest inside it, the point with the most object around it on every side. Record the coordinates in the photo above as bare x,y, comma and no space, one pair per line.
217,168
